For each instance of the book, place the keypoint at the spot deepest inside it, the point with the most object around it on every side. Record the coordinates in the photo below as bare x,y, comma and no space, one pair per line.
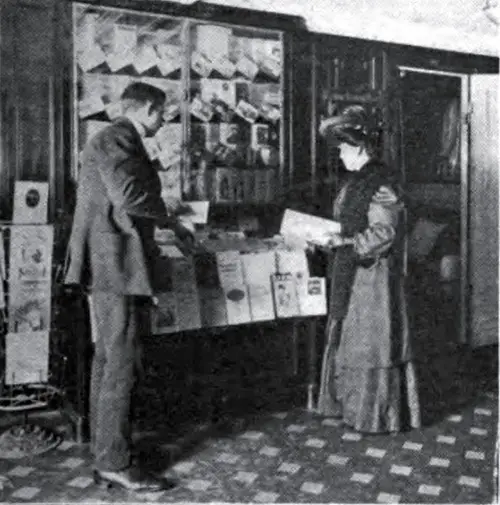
237,304
189,311
258,269
198,212
164,318
186,292
30,202
286,303
311,293
229,268
292,262
307,227
224,184
213,307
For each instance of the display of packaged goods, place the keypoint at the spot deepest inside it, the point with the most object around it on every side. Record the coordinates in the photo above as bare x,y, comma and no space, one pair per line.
214,146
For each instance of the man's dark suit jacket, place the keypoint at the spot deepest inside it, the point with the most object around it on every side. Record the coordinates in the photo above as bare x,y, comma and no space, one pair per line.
111,247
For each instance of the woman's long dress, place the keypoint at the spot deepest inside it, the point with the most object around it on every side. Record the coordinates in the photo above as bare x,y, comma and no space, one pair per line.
368,377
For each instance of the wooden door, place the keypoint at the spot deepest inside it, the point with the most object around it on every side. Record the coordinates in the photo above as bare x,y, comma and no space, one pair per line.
483,210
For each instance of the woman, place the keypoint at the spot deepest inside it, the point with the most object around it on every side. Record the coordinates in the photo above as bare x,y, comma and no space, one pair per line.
367,378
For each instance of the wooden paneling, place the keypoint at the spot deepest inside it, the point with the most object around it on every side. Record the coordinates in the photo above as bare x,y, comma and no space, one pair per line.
31,84
483,211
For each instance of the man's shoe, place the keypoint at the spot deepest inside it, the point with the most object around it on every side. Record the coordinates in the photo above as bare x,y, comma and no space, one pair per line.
132,478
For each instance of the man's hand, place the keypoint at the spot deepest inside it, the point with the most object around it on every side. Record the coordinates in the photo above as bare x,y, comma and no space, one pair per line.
177,207
184,231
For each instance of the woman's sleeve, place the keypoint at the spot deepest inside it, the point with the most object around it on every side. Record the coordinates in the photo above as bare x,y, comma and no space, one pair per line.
379,236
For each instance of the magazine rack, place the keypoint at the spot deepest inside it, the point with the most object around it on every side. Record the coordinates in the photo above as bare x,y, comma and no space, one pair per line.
26,393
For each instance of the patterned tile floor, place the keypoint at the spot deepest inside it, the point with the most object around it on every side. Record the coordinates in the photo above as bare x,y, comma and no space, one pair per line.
290,456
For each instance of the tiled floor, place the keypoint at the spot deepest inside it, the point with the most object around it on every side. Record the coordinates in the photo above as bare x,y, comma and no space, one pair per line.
290,455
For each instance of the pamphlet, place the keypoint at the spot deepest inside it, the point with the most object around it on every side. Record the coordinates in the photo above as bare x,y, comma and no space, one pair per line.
285,295
311,292
308,227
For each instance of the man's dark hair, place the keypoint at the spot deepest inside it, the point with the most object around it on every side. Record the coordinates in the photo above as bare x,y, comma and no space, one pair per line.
139,93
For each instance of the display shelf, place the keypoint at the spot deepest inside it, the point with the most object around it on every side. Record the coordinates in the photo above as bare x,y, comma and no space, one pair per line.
223,138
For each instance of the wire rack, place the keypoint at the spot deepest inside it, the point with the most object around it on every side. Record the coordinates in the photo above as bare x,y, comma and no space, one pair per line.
50,388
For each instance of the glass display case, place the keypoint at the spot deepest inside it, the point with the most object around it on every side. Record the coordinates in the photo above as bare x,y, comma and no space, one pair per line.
223,135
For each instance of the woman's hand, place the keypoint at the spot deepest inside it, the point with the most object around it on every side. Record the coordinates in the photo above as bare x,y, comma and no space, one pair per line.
385,196
334,241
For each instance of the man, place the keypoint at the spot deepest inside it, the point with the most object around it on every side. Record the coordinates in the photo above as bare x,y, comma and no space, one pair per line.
112,252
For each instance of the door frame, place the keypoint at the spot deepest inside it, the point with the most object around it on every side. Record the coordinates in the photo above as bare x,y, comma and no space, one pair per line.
464,188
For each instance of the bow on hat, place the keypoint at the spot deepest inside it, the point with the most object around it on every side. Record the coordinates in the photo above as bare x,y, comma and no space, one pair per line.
352,121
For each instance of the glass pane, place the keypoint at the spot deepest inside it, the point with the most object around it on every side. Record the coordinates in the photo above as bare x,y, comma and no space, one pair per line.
114,48
235,111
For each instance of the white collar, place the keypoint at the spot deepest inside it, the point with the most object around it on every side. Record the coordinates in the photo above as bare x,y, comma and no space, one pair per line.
139,127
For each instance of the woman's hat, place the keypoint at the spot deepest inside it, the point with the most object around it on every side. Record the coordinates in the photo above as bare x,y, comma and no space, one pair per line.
350,126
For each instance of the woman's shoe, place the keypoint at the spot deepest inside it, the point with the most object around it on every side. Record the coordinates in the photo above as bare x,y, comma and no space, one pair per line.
132,478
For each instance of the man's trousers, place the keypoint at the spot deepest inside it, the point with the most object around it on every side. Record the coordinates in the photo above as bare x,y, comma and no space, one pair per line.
115,319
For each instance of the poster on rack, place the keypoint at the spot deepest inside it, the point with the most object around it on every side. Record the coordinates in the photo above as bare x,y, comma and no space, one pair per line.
30,278
29,307
26,357
30,254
